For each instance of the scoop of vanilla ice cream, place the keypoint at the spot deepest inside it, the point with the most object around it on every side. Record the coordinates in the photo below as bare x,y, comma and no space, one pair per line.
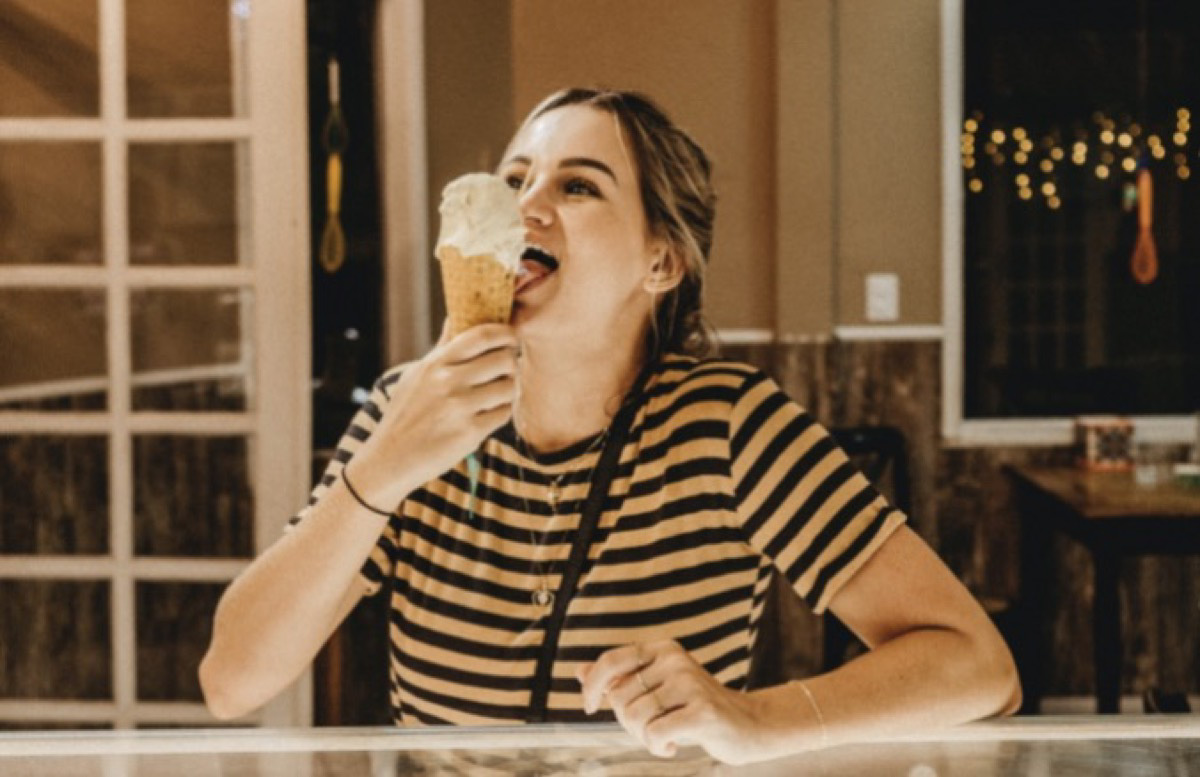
480,217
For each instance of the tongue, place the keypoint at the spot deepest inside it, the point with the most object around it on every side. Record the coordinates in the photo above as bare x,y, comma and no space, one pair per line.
531,270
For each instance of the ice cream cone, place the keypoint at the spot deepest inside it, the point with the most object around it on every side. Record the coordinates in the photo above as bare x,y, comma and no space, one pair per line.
479,249
478,289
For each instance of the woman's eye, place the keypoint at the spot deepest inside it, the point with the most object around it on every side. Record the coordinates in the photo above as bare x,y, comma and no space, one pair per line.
581,186
515,182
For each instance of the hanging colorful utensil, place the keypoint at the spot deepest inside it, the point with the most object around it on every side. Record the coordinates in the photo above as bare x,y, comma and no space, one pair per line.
1144,263
334,138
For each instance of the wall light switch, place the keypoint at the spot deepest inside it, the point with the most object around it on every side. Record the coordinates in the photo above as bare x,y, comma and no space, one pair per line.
883,296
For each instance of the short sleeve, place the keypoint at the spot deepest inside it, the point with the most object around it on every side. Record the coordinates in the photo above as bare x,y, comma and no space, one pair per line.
799,499
378,566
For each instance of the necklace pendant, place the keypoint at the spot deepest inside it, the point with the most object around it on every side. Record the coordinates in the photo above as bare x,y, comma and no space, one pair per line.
552,496
543,598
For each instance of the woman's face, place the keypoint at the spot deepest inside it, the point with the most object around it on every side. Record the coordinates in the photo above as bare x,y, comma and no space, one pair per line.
581,202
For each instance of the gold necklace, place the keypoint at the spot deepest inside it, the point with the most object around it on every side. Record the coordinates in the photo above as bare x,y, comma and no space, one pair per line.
542,596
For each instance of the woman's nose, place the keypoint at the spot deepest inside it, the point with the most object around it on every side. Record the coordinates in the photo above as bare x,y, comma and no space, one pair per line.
534,205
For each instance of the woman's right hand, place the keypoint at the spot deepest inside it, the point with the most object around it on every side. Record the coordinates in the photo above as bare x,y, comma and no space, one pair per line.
440,410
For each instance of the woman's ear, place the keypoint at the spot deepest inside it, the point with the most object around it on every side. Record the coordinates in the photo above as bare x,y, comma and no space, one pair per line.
665,272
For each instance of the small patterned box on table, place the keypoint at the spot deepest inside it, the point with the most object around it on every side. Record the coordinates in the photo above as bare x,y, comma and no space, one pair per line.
1104,443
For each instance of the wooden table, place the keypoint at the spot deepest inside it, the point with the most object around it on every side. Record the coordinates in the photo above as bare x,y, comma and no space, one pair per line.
1112,517
1078,746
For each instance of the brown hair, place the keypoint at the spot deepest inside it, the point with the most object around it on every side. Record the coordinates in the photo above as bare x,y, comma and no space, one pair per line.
679,201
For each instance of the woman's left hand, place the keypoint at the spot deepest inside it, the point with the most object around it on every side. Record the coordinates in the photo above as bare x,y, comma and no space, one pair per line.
665,699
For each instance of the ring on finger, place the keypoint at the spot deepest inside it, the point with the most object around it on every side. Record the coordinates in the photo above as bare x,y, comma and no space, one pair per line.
657,702
651,692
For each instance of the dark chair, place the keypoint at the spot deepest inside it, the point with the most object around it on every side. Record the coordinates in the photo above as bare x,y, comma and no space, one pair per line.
1158,700
881,453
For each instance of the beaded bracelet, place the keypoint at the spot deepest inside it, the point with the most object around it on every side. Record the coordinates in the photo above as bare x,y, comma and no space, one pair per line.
816,709
354,493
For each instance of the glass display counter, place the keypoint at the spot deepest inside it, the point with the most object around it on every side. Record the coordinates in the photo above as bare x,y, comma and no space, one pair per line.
1059,746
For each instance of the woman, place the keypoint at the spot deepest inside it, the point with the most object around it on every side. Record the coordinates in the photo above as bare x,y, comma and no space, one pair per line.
473,473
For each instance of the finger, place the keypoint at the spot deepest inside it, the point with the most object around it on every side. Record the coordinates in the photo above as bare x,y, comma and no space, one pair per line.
633,707
489,421
638,717
624,691
486,367
445,335
480,339
611,666
665,732
645,707
501,391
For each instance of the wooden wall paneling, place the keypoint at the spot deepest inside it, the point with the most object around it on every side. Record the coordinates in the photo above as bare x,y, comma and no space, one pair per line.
964,508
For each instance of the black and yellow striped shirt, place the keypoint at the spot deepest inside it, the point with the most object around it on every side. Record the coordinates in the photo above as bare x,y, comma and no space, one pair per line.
721,476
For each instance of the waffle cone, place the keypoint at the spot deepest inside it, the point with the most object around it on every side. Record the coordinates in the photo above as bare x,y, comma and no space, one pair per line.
478,289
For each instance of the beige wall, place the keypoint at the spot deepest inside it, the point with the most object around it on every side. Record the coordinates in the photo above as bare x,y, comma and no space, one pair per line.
822,117
859,159
804,168
888,154
468,100
711,65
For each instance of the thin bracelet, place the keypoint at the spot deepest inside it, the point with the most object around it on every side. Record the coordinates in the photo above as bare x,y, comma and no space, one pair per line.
820,718
359,499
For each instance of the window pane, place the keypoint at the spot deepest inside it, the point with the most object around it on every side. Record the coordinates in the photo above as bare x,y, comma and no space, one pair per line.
174,624
48,62
190,349
192,497
54,494
180,57
183,203
50,203
54,349
54,640
1073,118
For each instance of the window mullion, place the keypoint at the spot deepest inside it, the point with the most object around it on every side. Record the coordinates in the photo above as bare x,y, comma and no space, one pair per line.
116,253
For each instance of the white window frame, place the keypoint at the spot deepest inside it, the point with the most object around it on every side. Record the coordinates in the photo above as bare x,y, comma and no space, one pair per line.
1007,432
277,427
404,169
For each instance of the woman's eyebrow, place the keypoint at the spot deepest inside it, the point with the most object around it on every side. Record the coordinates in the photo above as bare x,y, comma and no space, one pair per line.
575,161
583,161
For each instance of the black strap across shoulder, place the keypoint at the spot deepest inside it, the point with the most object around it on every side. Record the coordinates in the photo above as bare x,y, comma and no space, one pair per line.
589,517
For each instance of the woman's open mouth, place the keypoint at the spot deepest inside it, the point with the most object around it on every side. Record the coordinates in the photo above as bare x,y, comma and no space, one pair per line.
537,264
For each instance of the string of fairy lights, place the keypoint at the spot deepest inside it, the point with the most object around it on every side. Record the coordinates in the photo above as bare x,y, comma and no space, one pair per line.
1109,148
